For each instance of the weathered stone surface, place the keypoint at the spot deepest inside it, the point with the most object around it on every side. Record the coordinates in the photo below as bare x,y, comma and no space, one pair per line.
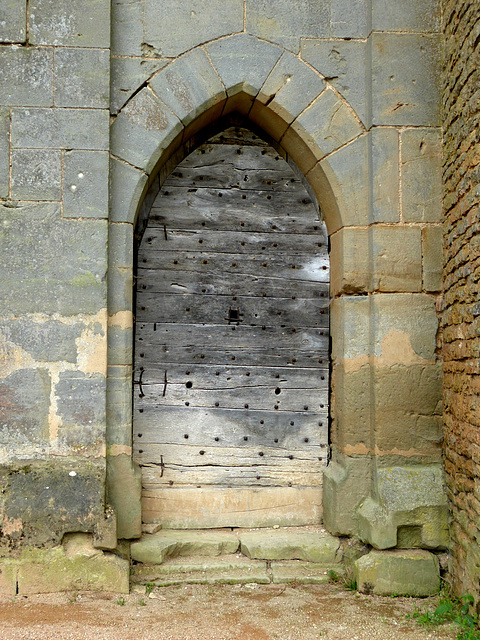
350,261
300,572
61,128
385,175
325,126
289,545
51,570
223,570
43,338
124,490
86,23
8,577
143,130
189,86
402,573
68,282
119,405
85,184
13,20
36,174
351,316
243,62
127,28
405,79
343,63
126,187
351,427
432,240
24,408
397,258
406,15
27,76
81,407
179,27
82,78
169,544
105,533
279,23
4,151
42,500
346,482
350,18
422,175
128,74
412,497
346,173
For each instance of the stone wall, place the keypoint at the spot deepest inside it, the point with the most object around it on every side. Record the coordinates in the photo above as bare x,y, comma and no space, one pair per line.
461,285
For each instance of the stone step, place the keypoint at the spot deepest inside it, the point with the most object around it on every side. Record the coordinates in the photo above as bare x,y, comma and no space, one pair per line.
233,569
310,544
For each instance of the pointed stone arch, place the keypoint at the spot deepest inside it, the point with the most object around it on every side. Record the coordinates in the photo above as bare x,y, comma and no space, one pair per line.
161,123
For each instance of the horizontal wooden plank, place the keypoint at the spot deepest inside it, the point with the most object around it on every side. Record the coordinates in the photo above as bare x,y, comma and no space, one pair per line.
219,427
172,238
212,507
261,397
231,377
185,279
199,309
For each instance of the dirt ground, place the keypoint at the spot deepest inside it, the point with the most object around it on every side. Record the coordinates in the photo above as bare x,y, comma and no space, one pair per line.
220,612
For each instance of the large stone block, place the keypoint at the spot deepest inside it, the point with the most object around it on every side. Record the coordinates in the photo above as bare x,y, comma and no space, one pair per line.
350,18
346,173
277,22
52,265
410,507
127,28
422,175
401,573
27,76
36,174
179,27
60,128
119,406
350,315
243,62
346,483
128,74
288,90
189,86
13,20
290,545
81,403
43,338
343,62
8,577
124,491
80,23
82,78
406,79
352,412
432,245
406,15
85,184
42,500
24,409
397,258
385,175
127,185
350,261
143,130
158,547
61,569
4,151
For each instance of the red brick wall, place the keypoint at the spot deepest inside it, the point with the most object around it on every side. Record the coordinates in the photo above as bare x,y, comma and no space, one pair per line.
461,175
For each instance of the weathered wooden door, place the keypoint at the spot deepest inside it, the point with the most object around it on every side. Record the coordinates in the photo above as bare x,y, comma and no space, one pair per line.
231,351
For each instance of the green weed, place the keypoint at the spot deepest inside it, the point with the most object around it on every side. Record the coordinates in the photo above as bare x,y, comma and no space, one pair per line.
451,610
121,601
333,576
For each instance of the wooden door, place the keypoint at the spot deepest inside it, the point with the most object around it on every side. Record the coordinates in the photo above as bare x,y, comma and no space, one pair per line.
231,350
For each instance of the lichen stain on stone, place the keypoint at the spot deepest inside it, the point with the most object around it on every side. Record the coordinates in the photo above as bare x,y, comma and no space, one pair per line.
180,91
92,345
121,320
11,526
146,112
13,357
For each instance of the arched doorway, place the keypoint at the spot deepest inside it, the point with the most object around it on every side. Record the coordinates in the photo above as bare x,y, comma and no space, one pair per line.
231,347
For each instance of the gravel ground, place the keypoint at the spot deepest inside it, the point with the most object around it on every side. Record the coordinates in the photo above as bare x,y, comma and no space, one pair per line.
220,612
